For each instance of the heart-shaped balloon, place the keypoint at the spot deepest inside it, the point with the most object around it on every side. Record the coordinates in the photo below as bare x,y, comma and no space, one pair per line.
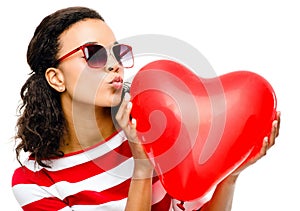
198,130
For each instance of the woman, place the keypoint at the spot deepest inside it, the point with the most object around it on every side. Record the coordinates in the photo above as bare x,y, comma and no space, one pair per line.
83,156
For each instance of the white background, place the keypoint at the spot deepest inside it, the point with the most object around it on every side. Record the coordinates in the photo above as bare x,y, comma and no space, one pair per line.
258,35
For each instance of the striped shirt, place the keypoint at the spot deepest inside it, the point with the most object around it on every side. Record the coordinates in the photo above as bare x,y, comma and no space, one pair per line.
94,179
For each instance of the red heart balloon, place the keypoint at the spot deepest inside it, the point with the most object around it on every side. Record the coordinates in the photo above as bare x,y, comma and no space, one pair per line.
198,130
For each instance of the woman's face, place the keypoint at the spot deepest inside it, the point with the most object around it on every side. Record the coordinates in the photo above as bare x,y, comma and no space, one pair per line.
84,84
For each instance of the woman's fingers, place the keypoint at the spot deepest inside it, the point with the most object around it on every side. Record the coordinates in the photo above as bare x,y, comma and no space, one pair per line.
278,122
274,131
273,134
263,152
123,119
268,142
123,113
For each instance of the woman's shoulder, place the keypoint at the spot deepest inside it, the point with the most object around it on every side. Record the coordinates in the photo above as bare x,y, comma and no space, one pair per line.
25,176
112,148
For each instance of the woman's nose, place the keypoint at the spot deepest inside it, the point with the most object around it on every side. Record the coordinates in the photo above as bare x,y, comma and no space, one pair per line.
112,64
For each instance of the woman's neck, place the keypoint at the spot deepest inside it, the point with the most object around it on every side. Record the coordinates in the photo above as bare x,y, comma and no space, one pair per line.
86,126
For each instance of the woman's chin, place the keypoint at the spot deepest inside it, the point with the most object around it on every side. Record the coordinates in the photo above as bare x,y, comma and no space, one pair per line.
115,101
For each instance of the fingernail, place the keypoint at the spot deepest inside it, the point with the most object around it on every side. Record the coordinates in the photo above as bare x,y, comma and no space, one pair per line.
129,105
266,140
133,121
127,96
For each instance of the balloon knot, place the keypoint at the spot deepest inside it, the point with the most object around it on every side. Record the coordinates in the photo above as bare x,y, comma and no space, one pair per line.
181,205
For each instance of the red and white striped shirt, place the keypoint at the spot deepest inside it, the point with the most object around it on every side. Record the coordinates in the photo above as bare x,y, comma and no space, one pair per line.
93,179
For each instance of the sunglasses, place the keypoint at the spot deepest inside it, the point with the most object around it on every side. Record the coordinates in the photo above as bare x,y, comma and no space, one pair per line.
96,55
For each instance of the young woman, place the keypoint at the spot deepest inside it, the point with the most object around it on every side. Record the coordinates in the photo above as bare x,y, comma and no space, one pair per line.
84,156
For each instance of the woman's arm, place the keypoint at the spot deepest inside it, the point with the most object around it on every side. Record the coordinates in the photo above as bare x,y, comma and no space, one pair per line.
140,190
223,195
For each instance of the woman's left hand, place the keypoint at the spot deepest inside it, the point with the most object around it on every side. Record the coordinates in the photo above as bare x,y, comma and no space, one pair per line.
268,142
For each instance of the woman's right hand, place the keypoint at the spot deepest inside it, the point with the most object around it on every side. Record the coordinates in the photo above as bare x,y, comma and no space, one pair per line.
140,190
143,167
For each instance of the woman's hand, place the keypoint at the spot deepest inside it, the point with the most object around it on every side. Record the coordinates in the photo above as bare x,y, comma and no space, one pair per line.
129,127
140,190
142,164
268,142
223,195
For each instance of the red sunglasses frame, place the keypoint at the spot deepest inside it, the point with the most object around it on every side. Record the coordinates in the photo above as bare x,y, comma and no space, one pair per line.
82,47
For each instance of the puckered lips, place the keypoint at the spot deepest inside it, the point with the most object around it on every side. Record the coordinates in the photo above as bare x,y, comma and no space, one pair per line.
117,82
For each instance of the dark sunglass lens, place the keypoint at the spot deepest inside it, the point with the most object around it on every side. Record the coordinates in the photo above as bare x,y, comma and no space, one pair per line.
123,55
96,56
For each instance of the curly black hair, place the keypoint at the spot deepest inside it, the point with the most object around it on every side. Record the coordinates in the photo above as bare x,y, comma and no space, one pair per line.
41,123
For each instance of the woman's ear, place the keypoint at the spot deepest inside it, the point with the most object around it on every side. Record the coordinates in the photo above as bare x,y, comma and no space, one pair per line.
55,79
